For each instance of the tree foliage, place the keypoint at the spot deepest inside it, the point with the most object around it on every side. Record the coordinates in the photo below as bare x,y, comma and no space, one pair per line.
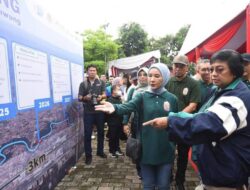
99,64
99,47
169,45
133,39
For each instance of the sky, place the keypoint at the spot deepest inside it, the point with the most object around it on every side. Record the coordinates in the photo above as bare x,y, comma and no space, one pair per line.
157,17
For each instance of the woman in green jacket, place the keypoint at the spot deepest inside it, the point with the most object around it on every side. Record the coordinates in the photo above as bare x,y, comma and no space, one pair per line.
157,151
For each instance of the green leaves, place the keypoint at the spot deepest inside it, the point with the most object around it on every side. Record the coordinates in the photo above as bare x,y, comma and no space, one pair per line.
169,45
133,39
99,47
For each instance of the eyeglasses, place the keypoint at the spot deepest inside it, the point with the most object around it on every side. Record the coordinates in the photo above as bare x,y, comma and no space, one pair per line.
218,70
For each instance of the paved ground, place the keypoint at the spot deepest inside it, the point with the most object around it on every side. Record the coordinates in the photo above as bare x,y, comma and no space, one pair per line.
110,174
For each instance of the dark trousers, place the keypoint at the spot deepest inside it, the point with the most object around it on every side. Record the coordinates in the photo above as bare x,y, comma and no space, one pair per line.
182,161
89,120
156,176
114,137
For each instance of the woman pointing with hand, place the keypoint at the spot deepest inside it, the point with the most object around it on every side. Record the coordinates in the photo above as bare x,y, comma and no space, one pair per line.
157,151
221,128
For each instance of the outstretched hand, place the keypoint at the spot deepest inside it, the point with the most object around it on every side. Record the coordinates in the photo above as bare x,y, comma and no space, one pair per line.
106,107
160,122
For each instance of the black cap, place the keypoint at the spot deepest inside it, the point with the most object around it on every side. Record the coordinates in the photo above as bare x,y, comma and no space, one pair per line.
246,57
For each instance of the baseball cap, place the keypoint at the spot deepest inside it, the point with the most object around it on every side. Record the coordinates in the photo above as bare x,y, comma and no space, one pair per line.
182,59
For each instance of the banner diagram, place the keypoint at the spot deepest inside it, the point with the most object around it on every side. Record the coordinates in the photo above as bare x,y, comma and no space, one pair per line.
41,68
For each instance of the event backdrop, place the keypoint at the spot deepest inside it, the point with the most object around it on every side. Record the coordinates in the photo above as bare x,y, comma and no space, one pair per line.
41,67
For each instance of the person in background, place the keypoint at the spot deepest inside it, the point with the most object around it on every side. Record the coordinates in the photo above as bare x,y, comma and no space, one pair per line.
125,86
187,91
221,129
111,78
108,86
203,68
116,81
246,74
133,80
91,93
157,152
103,78
197,75
134,128
170,67
206,87
142,86
115,123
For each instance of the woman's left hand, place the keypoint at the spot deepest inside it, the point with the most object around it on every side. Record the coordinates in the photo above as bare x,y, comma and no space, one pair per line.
160,122
106,107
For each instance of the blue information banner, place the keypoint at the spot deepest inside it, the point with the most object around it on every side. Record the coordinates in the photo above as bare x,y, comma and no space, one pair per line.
7,111
66,99
43,104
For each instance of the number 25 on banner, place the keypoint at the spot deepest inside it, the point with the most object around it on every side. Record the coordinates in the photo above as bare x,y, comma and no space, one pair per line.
7,111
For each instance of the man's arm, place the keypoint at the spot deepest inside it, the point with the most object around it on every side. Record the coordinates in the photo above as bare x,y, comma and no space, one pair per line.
190,108
103,94
84,98
81,92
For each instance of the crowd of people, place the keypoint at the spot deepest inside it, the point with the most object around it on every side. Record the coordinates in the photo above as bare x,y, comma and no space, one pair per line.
171,110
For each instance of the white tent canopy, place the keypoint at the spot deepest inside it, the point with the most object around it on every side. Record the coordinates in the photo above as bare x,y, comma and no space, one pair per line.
134,61
210,21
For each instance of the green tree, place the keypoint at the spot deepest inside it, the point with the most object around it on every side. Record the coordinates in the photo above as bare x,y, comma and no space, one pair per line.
99,48
99,65
169,45
133,39
164,45
178,40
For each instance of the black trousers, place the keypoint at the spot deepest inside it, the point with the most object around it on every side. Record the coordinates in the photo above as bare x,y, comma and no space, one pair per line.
182,161
114,137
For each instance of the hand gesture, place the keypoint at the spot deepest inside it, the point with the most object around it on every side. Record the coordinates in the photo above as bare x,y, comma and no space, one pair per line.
106,107
160,122
126,129
99,98
88,97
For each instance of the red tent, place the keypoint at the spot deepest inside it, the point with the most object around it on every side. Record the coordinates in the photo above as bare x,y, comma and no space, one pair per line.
235,34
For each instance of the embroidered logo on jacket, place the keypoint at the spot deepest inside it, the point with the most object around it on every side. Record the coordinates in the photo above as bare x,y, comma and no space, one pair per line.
166,106
185,91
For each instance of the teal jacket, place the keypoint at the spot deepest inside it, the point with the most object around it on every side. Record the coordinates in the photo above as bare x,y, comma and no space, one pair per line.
156,147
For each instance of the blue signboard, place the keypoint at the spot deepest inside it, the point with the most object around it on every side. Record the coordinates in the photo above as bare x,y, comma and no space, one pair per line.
43,104
7,111
41,68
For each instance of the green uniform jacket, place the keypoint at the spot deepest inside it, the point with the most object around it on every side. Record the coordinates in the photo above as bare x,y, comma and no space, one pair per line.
206,91
186,90
156,147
